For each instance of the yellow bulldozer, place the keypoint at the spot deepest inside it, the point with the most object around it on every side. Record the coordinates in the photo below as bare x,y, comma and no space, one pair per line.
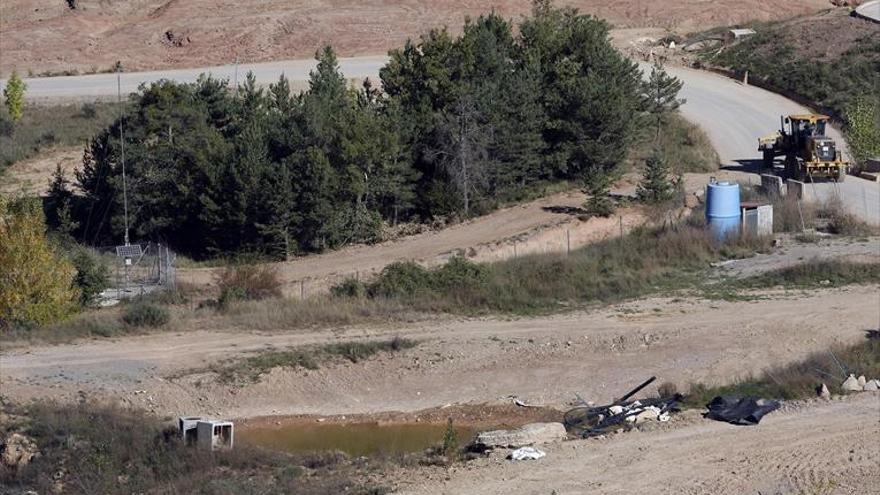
809,154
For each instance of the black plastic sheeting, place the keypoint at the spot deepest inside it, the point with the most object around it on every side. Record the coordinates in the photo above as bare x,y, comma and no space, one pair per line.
740,410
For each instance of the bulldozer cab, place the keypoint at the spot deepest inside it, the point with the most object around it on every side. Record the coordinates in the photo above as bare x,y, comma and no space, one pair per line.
800,128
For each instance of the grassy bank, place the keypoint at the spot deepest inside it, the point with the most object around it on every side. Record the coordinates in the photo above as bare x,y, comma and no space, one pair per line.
46,127
308,357
828,59
646,261
800,379
685,145
90,448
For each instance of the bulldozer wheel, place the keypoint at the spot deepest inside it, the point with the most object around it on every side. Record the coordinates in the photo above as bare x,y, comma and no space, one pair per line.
768,159
792,168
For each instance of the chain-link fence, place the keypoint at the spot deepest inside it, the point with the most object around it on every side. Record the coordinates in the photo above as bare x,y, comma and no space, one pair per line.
136,270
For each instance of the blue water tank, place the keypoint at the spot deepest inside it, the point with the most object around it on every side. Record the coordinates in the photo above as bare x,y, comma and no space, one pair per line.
723,208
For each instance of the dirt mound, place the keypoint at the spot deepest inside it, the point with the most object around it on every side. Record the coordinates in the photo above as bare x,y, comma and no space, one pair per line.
39,36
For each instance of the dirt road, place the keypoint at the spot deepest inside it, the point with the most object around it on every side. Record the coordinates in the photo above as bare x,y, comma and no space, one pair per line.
542,360
824,447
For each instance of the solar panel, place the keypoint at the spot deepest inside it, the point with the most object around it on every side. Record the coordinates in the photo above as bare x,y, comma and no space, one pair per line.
132,251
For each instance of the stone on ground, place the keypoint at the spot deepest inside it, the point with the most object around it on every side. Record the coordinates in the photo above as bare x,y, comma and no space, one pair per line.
530,434
851,384
823,392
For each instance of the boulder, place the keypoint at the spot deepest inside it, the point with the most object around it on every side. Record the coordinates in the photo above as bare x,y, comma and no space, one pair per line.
851,384
530,434
862,381
823,392
17,450
872,386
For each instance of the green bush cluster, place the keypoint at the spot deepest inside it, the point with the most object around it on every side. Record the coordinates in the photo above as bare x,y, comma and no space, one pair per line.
142,314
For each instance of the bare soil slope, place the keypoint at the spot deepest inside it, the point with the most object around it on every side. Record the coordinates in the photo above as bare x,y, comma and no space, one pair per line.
45,35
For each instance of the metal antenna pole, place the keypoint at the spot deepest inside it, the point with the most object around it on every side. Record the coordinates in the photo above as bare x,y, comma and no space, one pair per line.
122,151
236,72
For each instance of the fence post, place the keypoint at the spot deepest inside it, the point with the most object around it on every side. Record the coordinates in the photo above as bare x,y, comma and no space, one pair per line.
620,218
567,242
514,250
302,290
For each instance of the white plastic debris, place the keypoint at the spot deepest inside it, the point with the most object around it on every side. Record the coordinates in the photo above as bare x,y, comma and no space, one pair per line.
862,381
615,409
872,386
526,454
647,414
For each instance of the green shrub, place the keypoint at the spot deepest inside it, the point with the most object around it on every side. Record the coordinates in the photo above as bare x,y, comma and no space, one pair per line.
350,287
92,275
401,279
142,314
459,273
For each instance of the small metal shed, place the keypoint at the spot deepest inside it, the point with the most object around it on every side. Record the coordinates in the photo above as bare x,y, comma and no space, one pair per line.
757,218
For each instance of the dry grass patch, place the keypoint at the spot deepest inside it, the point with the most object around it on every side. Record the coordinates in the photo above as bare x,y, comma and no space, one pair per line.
799,380
250,369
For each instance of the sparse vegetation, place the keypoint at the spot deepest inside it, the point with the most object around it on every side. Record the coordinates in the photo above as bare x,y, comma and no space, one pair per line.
247,282
44,127
250,369
90,448
799,379
790,56
816,273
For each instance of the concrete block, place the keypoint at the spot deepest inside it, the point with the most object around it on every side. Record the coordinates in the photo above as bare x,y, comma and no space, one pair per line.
187,425
872,165
772,185
530,434
799,189
214,435
871,176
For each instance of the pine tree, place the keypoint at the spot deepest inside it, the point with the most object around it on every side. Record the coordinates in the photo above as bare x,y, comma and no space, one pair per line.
462,149
656,186
597,187
661,96
14,94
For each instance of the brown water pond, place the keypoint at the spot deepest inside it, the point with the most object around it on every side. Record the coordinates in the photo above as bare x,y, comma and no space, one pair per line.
355,439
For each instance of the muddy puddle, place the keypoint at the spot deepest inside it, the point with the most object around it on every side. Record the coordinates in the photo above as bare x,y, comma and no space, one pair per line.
355,439
384,433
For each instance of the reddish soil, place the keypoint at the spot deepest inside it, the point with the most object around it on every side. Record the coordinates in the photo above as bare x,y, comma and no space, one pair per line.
37,36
